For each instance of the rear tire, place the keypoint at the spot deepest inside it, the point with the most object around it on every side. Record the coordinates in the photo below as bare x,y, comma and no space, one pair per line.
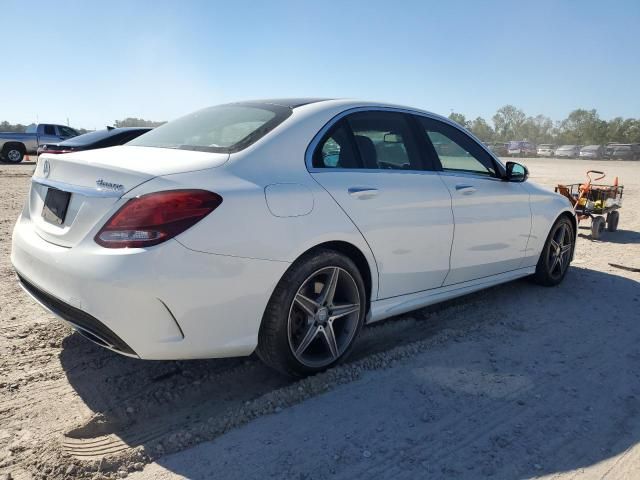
13,153
305,329
597,227
556,254
612,220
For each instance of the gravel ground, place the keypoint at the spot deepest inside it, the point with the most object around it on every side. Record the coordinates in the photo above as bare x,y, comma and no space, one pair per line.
518,381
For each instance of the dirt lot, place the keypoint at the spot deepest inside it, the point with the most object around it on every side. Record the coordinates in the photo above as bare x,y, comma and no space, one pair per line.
518,381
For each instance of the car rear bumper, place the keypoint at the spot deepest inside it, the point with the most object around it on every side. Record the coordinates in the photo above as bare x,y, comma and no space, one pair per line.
165,302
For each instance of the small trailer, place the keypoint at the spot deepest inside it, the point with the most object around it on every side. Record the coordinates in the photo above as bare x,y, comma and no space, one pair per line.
599,202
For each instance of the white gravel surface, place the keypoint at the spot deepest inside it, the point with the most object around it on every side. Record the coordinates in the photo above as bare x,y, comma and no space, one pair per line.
518,381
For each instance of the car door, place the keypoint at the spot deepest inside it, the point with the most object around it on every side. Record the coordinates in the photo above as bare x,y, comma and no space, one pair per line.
371,165
492,217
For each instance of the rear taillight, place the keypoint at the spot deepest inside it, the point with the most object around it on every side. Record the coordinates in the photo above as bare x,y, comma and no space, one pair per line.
48,150
156,217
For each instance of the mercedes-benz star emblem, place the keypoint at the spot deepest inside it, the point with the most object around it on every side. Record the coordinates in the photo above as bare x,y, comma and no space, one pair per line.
46,168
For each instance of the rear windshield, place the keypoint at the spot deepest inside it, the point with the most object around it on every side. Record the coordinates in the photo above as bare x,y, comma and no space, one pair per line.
91,137
223,128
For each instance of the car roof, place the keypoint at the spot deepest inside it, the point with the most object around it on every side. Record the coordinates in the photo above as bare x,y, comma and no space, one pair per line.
284,102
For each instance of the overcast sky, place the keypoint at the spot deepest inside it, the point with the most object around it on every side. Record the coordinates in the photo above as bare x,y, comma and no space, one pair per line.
94,62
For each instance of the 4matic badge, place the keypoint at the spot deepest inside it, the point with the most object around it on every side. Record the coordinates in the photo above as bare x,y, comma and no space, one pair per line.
116,187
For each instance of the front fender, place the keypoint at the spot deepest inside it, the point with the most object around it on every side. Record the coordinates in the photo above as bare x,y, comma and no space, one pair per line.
546,207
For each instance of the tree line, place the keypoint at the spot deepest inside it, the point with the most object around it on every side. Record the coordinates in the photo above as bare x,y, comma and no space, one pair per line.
581,127
127,122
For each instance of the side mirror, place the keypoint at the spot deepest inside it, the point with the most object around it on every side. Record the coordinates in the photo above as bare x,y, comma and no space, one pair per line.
516,172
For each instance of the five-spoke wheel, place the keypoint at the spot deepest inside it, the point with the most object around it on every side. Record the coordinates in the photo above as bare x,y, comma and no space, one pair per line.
557,253
324,316
314,314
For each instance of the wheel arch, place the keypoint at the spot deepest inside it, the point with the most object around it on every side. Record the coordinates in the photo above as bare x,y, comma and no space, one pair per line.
19,145
356,255
574,221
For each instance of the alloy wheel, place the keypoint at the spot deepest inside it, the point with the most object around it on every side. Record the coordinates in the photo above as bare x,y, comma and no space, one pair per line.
14,155
560,248
324,317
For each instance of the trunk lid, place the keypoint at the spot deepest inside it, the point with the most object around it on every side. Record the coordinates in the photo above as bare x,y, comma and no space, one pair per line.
97,179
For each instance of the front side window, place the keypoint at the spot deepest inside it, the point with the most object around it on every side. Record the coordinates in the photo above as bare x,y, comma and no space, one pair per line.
456,151
223,129
369,140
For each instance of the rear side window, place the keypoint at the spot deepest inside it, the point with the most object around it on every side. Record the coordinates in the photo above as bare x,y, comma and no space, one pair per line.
369,140
67,132
224,128
456,151
337,149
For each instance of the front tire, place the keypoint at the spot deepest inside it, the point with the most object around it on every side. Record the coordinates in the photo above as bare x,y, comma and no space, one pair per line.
13,153
556,254
314,314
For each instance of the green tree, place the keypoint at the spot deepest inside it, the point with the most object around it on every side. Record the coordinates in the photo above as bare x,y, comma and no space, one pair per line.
508,122
459,118
538,129
482,129
583,127
14,128
136,122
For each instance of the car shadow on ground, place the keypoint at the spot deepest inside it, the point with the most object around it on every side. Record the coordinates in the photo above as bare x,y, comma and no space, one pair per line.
620,236
555,389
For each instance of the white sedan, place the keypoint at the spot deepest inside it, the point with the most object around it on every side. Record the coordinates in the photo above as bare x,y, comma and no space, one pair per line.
279,226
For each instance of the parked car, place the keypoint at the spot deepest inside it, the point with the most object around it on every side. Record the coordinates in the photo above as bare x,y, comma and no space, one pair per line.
568,151
258,226
108,137
14,146
546,150
500,149
521,149
592,151
623,151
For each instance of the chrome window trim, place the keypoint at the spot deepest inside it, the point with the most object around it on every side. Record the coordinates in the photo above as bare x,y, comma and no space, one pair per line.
465,174
78,190
308,156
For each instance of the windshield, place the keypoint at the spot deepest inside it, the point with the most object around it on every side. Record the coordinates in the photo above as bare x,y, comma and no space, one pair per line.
223,128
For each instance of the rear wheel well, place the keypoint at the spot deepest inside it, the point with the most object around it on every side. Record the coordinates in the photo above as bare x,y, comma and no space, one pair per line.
356,255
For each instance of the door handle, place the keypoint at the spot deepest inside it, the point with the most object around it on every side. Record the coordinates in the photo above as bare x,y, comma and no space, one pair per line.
363,193
465,189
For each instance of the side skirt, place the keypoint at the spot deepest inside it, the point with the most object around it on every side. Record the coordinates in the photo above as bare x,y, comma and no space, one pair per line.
389,307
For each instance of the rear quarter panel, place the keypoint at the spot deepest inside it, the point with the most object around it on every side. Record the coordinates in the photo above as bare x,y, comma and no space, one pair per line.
243,225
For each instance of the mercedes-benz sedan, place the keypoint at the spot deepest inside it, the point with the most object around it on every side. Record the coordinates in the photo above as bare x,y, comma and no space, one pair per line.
280,226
